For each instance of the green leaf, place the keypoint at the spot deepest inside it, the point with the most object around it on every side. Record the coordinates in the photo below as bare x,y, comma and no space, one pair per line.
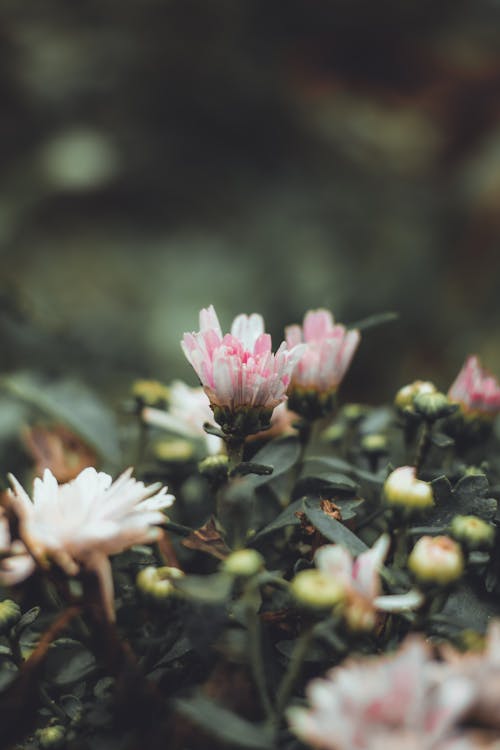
317,464
72,403
333,530
470,487
281,454
372,321
225,725
440,440
211,589
325,482
287,517
68,662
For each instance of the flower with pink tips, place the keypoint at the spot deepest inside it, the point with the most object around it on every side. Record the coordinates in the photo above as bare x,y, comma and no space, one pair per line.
375,703
476,389
329,349
360,578
242,378
77,525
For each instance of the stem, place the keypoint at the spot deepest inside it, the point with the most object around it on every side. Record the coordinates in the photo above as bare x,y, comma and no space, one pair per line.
256,658
234,448
423,447
293,672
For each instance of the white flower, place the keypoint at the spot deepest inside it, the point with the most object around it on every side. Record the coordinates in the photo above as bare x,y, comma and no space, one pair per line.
188,410
79,524
376,703
361,581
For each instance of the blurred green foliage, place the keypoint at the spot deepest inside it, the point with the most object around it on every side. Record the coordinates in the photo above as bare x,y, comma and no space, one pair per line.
161,155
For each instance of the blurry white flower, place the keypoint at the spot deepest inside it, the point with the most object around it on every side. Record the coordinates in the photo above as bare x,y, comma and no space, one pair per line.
384,703
79,524
188,410
360,578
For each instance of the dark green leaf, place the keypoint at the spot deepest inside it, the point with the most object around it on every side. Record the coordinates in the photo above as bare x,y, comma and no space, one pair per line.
470,487
72,403
225,725
286,518
281,454
27,619
440,440
325,482
333,530
68,662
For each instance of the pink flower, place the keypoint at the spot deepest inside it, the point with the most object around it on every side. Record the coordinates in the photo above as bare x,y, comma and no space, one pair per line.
361,580
328,353
79,524
238,370
476,389
375,703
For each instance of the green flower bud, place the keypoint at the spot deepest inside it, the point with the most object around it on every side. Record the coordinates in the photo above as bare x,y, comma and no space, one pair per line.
156,583
214,468
403,490
436,560
244,563
150,393
472,532
374,443
433,406
174,451
51,737
404,397
10,614
316,590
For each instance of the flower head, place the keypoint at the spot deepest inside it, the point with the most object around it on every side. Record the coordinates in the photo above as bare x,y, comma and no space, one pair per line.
436,560
79,524
329,349
360,579
379,702
188,410
241,376
403,490
476,390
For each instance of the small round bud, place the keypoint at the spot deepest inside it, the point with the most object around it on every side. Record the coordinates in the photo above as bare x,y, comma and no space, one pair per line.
10,614
334,433
316,590
156,583
150,393
374,443
472,532
403,490
244,563
214,468
174,451
436,559
406,394
359,615
433,406
354,412
51,737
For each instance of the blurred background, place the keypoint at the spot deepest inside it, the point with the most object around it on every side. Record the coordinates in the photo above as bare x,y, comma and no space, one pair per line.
161,155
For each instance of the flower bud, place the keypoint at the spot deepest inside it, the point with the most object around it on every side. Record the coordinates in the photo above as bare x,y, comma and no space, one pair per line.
51,737
156,583
472,532
374,444
433,406
150,393
404,397
214,468
244,563
10,614
316,590
437,560
174,451
403,490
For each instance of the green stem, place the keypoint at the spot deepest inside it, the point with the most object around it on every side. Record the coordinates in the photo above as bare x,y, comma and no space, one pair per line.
235,447
256,659
423,447
293,672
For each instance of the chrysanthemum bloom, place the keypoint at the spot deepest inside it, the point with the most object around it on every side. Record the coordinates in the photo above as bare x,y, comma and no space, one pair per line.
483,670
375,703
328,353
242,378
476,390
360,579
188,410
79,524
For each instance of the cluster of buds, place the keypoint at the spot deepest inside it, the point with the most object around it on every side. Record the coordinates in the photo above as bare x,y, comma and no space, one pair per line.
158,583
